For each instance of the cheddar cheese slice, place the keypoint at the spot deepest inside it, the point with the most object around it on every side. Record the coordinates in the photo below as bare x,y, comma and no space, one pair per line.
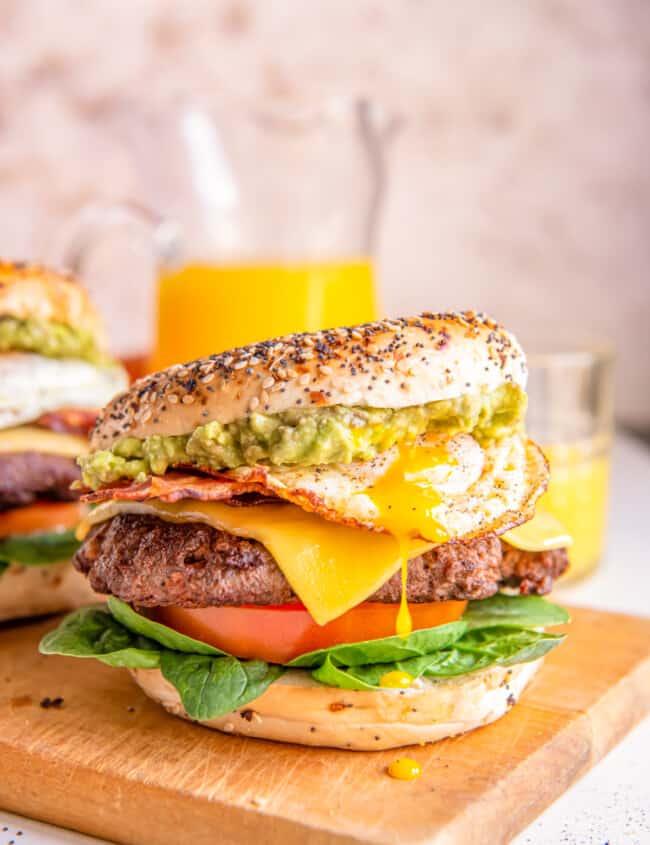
331,567
542,533
32,438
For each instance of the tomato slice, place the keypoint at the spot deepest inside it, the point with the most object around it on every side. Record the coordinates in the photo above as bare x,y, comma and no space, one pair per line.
281,632
41,517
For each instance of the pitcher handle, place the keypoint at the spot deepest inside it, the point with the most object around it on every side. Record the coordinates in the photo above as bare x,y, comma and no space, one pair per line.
377,130
75,244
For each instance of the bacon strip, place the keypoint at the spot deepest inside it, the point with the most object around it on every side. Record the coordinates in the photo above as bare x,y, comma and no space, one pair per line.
69,420
174,486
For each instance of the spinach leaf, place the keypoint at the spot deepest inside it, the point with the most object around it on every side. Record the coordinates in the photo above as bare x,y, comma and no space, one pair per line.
209,684
518,611
212,683
167,637
351,677
386,650
474,651
38,549
500,610
210,687
92,632
507,646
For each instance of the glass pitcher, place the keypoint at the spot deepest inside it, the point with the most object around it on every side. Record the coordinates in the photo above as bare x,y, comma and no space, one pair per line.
260,222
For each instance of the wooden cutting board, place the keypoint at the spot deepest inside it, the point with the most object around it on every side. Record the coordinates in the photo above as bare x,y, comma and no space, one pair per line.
111,763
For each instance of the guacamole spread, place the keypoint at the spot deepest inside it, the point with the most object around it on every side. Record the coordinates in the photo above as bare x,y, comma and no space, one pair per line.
45,337
336,434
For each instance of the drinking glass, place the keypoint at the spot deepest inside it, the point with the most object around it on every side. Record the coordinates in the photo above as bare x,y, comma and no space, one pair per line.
570,416
261,221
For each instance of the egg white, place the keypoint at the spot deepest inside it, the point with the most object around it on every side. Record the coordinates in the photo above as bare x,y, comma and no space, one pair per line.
31,385
481,488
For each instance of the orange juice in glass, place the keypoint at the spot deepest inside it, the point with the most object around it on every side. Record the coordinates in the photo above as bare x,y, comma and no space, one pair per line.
260,220
570,416
577,496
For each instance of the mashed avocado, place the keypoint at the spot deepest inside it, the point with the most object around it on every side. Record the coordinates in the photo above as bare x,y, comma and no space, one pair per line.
45,337
337,434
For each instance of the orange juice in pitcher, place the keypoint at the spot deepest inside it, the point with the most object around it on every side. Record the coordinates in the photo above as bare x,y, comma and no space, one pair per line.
261,221
206,308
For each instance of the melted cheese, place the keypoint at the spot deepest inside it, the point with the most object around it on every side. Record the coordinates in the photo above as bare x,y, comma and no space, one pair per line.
540,534
331,568
32,438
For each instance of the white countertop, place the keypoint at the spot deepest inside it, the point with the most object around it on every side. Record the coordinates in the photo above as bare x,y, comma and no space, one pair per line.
611,804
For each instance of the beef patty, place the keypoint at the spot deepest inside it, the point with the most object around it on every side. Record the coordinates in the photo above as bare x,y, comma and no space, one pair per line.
26,476
150,562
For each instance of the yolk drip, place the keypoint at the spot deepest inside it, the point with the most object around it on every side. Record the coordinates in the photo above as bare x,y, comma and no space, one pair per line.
405,768
405,500
396,680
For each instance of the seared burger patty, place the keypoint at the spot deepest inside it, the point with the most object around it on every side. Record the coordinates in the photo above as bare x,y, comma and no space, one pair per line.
149,562
26,476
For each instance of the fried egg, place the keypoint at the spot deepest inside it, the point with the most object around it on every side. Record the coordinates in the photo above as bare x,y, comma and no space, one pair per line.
31,385
442,488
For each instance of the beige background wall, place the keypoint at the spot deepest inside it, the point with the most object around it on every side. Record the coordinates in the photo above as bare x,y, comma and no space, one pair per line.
520,183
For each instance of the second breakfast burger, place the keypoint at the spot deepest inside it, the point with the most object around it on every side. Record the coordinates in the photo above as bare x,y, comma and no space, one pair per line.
54,374
310,539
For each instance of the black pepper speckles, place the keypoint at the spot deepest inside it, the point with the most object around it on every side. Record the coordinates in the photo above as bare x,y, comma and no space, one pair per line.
315,365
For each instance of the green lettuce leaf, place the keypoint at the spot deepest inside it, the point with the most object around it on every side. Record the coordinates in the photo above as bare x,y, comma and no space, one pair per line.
38,549
476,650
4,564
386,650
210,687
92,632
209,682
167,637
507,646
517,611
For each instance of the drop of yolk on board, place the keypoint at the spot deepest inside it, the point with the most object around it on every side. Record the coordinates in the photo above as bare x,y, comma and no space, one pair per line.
405,768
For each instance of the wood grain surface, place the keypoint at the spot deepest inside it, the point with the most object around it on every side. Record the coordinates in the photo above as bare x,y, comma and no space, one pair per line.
111,763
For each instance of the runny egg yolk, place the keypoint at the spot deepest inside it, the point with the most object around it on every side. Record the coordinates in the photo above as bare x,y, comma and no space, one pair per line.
405,500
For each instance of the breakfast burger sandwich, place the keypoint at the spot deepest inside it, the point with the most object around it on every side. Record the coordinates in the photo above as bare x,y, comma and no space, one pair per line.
313,539
53,372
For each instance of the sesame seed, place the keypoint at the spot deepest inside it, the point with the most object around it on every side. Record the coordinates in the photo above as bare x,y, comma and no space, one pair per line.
172,398
268,382
325,370
206,379
254,403
187,399
238,365
304,379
